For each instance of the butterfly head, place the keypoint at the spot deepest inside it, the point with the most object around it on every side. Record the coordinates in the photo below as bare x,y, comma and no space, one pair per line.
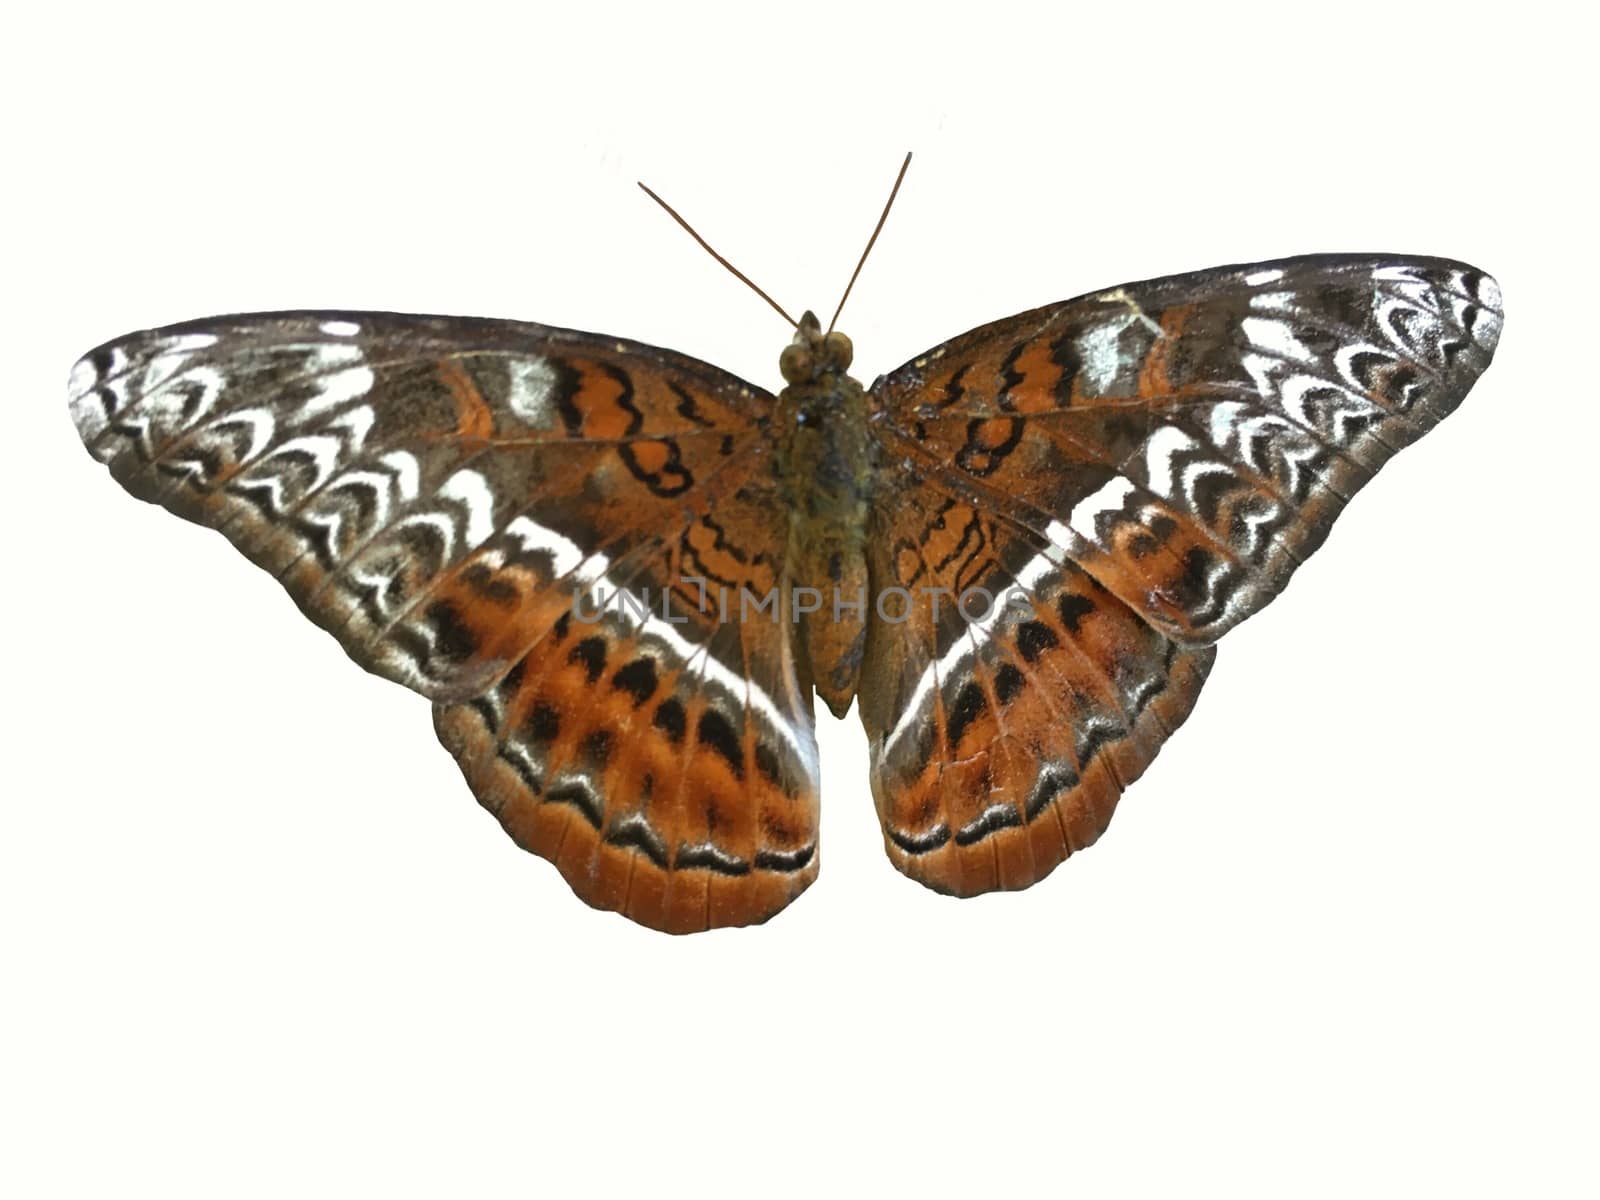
815,355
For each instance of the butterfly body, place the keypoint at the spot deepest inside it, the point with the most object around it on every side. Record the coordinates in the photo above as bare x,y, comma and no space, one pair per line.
1053,518
827,464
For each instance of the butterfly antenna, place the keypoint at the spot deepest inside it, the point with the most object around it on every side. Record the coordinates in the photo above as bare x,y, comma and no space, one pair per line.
706,246
877,229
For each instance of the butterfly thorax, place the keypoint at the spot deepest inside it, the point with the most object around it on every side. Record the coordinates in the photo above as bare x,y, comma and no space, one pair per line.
825,467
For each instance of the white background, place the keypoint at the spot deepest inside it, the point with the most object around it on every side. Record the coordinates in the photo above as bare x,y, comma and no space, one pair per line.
259,939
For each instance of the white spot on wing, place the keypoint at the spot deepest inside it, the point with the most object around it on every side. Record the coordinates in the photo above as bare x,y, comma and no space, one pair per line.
533,380
1277,338
532,536
1273,302
1062,541
340,379
1097,351
472,491
1110,497
406,472
1159,450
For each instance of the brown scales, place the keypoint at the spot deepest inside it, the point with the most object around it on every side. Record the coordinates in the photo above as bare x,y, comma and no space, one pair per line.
471,475
617,711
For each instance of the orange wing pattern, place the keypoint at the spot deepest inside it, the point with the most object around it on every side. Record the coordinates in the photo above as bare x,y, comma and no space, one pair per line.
1147,466
437,493
1056,515
663,758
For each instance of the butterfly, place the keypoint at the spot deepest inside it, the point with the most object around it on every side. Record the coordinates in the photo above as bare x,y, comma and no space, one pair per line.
621,574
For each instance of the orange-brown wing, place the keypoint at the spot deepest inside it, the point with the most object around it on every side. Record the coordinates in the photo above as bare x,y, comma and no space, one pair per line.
655,746
435,492
1008,697
1148,466
1189,441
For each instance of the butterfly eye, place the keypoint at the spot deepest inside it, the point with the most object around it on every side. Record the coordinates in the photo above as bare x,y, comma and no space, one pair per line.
796,363
836,348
